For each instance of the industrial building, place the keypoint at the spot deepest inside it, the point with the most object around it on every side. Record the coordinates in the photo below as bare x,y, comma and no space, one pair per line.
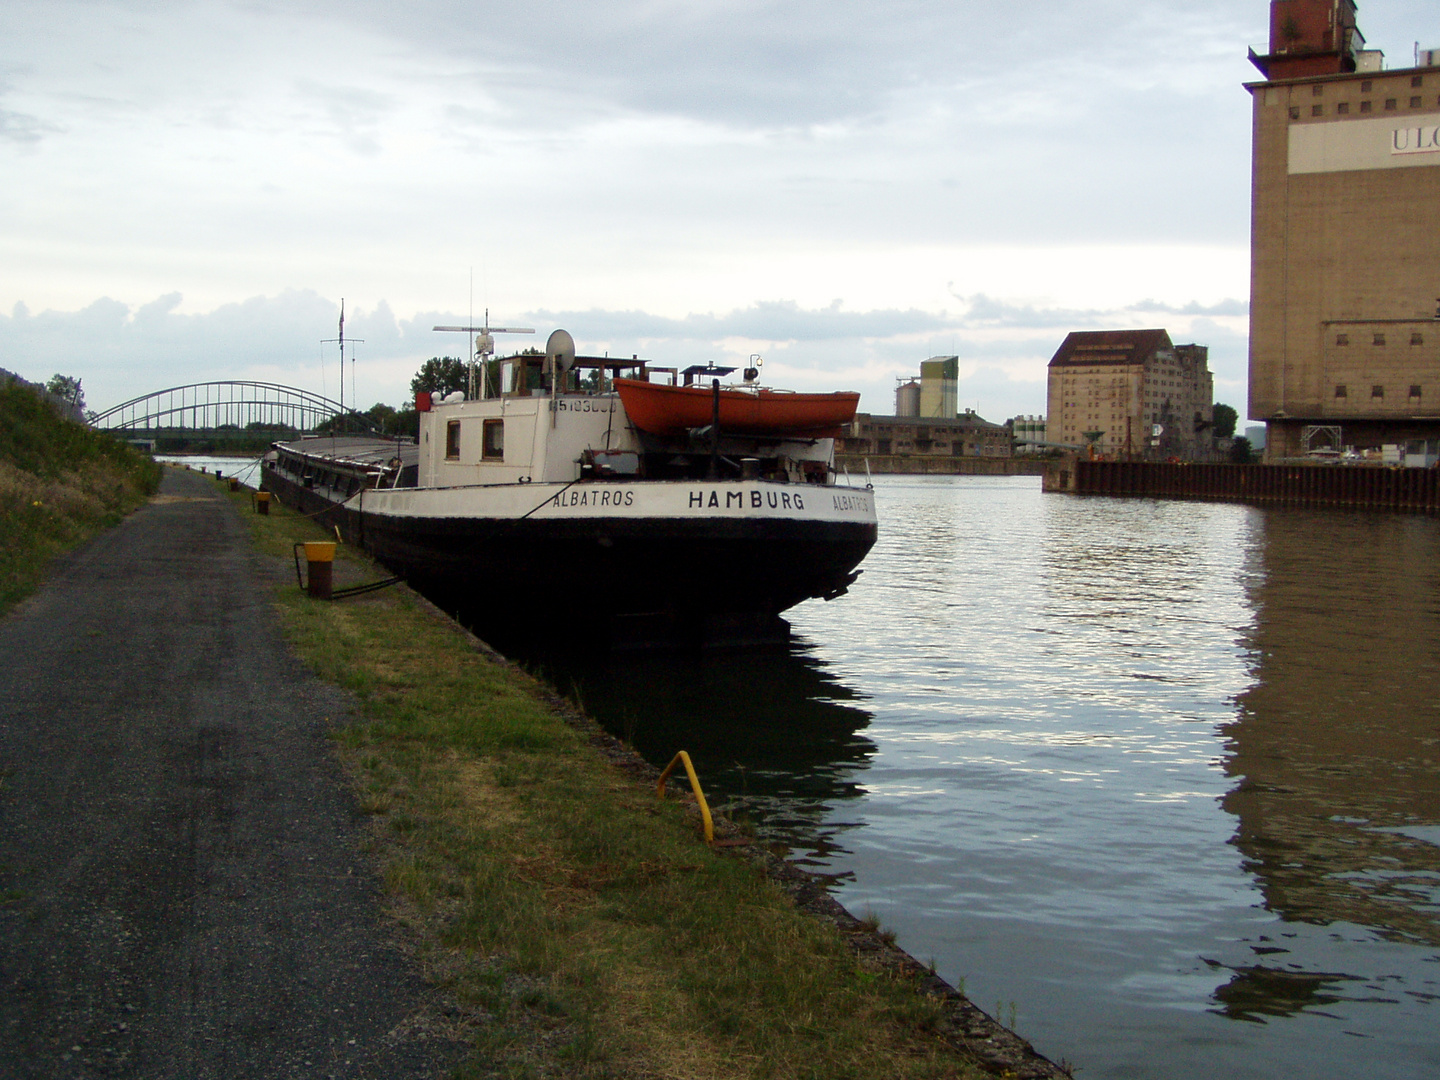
1030,434
963,435
1132,394
936,394
927,422
1345,240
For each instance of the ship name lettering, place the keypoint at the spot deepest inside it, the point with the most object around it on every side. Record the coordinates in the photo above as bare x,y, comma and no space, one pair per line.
735,500
601,498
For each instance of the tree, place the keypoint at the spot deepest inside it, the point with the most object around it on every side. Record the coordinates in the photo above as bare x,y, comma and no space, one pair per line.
63,386
1225,418
406,421
381,414
1241,452
389,420
440,375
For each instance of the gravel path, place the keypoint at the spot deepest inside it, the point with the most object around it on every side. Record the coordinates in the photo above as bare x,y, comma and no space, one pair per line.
182,890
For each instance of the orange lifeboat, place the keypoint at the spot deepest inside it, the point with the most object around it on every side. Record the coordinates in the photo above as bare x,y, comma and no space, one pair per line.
668,410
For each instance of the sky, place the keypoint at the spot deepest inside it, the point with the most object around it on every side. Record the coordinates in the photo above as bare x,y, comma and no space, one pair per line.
845,188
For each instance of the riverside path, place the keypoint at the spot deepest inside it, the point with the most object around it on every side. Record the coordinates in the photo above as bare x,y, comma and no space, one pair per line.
182,887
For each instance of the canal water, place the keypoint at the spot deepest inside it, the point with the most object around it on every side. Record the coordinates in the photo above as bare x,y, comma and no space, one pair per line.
1157,781
245,467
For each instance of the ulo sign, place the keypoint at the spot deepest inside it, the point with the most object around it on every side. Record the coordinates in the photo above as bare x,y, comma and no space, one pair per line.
1416,140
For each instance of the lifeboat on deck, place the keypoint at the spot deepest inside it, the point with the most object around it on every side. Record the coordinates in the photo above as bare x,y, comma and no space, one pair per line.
660,409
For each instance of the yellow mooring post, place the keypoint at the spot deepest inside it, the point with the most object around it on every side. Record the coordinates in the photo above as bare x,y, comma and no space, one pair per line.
319,568
684,759
262,503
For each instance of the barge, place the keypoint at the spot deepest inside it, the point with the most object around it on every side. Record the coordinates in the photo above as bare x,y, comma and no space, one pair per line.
533,504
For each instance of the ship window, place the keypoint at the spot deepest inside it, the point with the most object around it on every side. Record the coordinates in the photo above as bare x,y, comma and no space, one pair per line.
1341,390
493,443
452,441
1377,391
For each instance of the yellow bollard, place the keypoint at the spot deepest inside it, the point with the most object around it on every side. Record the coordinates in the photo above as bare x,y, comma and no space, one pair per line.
262,503
234,483
319,568
682,758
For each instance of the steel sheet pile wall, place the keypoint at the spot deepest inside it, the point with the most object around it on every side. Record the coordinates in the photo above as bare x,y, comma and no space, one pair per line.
1404,490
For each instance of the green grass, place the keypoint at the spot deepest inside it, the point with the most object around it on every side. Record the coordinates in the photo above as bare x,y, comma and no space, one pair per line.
60,484
581,924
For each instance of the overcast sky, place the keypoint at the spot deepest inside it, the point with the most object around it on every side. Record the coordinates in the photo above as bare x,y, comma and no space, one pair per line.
843,187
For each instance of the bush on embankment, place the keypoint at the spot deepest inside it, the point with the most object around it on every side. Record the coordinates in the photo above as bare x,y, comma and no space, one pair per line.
60,484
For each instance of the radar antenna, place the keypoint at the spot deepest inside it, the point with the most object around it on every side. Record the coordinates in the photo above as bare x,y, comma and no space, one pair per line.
484,343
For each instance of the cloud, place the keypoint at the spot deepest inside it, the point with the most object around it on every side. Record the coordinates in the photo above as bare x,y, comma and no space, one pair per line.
1224,307
21,128
782,63
986,311
770,321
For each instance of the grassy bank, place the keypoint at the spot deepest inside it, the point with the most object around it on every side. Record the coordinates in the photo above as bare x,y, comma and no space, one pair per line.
60,484
578,926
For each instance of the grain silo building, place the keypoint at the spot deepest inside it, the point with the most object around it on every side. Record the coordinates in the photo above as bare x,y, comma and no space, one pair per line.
1345,238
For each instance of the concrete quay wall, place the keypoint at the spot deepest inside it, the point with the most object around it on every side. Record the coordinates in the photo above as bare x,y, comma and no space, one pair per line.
937,465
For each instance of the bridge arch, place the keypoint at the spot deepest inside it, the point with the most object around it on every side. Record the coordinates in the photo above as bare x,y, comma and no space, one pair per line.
211,406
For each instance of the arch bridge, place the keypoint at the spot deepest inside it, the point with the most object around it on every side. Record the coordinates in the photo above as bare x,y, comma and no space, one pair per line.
221,410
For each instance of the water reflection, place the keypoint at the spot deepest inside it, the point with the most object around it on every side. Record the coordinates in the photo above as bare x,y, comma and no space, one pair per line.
1336,745
775,737
1254,993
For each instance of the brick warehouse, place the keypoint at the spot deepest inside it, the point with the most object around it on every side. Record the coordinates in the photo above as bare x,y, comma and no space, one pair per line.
1345,238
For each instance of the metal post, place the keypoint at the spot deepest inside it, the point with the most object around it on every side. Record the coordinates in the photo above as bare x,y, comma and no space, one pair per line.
714,470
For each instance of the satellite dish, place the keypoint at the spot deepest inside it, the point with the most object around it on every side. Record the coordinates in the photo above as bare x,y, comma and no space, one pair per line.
560,352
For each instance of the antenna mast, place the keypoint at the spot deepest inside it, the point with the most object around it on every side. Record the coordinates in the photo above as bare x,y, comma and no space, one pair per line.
484,346
341,340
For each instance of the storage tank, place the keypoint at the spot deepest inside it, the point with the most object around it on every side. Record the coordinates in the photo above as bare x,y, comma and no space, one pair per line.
907,399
